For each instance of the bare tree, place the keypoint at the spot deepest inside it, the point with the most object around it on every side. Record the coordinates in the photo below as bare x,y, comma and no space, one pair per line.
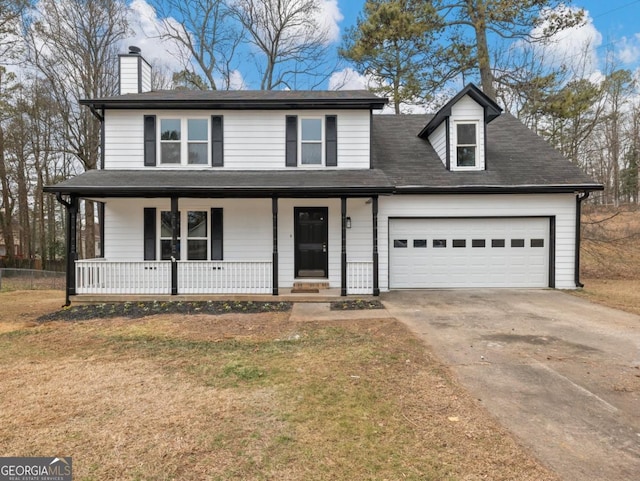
289,40
10,28
73,44
7,88
208,35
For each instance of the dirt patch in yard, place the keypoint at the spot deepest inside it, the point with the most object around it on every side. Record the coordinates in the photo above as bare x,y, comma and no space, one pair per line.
244,396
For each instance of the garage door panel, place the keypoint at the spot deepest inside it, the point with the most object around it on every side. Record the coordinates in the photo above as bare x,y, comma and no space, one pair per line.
489,252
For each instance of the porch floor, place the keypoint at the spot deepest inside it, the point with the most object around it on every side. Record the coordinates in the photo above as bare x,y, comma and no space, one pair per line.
285,295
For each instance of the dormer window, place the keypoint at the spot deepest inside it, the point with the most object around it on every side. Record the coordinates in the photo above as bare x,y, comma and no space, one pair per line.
466,144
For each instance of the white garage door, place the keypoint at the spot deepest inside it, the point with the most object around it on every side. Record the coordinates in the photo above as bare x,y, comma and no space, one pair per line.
469,252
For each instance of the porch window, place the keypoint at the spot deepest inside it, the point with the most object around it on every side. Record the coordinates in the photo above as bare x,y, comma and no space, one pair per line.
179,149
166,234
197,235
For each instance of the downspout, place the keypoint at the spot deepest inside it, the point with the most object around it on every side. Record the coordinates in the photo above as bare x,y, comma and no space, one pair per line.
579,198
68,263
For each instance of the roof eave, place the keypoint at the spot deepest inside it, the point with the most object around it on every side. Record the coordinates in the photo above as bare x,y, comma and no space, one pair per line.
220,192
499,189
132,104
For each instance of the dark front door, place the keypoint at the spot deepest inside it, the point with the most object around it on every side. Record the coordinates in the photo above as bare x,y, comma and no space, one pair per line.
311,240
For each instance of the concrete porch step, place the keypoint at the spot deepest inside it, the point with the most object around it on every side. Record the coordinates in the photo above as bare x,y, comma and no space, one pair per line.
318,285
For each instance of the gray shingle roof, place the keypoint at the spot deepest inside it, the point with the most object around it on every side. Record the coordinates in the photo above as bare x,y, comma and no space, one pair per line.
517,159
152,182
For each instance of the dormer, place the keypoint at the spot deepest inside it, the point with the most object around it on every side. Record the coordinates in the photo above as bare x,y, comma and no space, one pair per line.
457,131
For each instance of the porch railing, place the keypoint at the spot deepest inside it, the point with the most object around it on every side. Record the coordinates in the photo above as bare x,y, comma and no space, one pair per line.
360,277
98,276
224,277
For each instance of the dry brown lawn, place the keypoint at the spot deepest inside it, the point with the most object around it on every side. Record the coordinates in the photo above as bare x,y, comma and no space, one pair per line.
240,397
261,397
611,258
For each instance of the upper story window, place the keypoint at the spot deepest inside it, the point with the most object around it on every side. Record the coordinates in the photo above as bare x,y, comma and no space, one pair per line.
184,141
466,144
311,142
192,148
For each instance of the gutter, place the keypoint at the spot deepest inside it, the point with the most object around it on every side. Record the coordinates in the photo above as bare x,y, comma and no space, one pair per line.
580,196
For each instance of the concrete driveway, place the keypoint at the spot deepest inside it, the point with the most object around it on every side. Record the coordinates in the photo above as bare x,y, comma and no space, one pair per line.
561,373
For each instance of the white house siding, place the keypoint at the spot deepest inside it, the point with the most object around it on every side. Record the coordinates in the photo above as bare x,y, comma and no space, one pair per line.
467,109
129,74
146,75
123,229
247,229
360,235
562,206
438,140
252,139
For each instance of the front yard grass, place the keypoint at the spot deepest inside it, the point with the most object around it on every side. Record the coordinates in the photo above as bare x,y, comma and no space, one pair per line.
241,396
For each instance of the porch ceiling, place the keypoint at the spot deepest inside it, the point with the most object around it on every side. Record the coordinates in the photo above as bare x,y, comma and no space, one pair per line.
220,183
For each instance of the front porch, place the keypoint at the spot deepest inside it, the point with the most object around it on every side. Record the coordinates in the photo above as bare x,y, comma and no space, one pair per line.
226,233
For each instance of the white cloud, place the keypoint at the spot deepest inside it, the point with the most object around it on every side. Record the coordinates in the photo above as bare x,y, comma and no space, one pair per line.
147,28
629,51
236,81
329,16
574,47
348,79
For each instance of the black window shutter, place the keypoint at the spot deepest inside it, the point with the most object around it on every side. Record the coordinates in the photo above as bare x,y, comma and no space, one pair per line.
149,140
292,141
149,234
216,234
217,141
331,136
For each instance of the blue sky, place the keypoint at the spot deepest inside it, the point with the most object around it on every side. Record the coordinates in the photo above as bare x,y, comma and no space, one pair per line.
612,33
617,22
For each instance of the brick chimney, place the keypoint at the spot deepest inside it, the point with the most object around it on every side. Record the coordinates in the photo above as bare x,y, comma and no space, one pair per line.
135,72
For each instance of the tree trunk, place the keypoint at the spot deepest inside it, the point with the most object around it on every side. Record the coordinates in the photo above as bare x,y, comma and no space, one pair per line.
5,217
26,249
477,14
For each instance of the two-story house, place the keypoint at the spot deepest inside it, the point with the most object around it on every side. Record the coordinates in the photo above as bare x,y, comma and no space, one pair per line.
209,192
